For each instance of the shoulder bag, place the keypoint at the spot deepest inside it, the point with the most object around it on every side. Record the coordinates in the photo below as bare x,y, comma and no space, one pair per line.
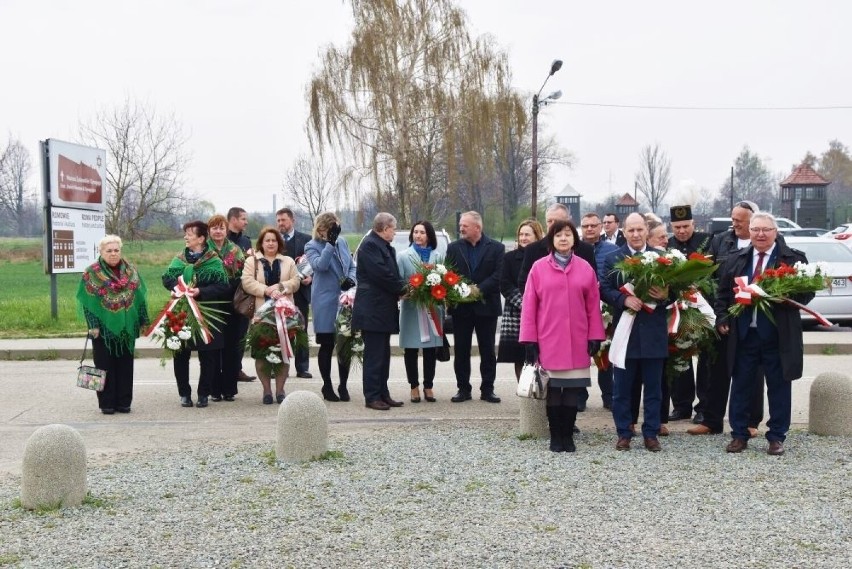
90,377
533,382
442,353
244,303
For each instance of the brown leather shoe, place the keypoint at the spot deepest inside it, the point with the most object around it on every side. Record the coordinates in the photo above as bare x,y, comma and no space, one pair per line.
753,432
700,430
663,432
652,444
776,448
243,377
391,402
378,405
737,445
623,443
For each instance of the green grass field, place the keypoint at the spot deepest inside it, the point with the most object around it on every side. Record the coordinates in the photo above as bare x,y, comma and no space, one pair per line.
25,289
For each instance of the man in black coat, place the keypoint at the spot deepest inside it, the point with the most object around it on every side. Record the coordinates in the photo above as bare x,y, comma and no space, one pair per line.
538,250
754,341
376,310
611,231
295,242
237,221
684,387
480,259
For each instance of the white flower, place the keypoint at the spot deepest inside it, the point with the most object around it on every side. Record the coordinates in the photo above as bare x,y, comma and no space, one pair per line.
649,257
184,334
675,254
433,278
463,289
345,330
274,348
683,344
441,269
173,343
272,358
159,332
358,333
357,347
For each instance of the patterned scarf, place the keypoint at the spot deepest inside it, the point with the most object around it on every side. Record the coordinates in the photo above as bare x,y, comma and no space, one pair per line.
232,257
207,267
115,302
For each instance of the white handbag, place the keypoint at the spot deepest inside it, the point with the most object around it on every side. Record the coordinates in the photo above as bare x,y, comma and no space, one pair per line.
533,382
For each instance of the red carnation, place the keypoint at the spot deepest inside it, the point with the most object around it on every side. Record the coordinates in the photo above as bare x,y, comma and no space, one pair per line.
451,278
664,260
698,257
439,292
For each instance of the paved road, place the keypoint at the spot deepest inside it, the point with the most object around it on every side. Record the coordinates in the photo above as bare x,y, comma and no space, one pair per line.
37,393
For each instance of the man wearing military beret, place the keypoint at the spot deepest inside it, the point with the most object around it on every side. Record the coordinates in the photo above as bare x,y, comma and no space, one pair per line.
684,388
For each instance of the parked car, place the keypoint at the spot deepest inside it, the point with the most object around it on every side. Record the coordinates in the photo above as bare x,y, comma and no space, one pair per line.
786,224
718,225
806,232
842,233
834,303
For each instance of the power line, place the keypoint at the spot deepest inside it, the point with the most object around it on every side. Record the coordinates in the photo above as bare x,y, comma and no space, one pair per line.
686,108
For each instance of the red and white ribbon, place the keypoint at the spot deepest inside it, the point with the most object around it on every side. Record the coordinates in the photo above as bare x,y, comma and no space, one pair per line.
178,292
284,307
695,300
428,323
621,336
743,292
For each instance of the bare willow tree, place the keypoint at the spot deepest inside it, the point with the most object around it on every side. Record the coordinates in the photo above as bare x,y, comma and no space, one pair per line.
146,160
311,186
15,167
409,96
653,178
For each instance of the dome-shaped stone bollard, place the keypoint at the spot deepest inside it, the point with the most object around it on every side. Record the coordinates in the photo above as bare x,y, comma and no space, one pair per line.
534,417
830,411
302,427
54,468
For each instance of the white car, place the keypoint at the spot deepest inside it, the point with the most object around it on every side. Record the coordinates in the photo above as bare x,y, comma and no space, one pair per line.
834,303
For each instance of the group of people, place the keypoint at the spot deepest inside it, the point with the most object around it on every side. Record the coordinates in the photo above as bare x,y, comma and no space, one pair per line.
553,284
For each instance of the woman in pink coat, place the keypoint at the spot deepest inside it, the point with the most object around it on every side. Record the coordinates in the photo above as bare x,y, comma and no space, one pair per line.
562,327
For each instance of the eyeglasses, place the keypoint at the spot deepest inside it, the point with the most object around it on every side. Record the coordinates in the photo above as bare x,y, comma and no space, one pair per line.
610,221
761,229
589,225
745,205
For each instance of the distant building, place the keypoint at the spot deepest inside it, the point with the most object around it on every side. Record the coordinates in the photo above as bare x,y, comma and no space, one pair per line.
625,206
804,199
570,198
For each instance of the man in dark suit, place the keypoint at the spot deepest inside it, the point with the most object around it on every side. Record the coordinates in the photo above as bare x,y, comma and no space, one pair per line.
684,387
480,259
754,341
538,250
376,310
295,242
647,347
611,232
237,221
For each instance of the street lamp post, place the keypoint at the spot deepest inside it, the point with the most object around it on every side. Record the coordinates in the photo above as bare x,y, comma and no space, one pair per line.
554,67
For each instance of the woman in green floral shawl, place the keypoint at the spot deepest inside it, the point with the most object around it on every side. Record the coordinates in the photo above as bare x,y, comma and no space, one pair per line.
225,384
111,298
204,274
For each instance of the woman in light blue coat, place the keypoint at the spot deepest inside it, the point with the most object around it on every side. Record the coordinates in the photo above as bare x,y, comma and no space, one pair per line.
417,328
333,271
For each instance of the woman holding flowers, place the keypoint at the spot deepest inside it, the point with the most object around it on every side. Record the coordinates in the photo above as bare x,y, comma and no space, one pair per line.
198,273
225,384
112,299
510,351
269,275
562,326
334,271
420,327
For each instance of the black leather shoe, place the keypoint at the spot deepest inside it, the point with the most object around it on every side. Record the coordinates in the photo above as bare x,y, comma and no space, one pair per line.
698,419
186,401
123,409
576,429
108,411
304,375
343,393
490,397
267,399
460,396
228,397
328,394
280,398
202,401
216,398
581,407
680,415
607,405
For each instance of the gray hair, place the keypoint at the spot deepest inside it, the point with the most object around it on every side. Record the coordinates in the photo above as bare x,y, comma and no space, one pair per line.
477,219
382,221
764,215
107,239
553,207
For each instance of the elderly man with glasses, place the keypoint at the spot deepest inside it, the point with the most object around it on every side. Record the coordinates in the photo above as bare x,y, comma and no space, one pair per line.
754,340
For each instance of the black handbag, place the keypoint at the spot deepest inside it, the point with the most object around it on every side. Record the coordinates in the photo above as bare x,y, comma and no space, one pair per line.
442,353
90,377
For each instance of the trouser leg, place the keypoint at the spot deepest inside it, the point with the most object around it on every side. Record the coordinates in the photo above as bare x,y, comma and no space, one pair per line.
180,364
463,336
430,358
486,329
411,372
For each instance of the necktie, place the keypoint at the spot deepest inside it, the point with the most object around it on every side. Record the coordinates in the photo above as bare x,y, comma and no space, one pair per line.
759,268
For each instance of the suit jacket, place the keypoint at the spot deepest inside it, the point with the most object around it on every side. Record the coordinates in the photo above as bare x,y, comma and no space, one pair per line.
538,250
649,337
489,267
379,287
296,248
788,319
620,239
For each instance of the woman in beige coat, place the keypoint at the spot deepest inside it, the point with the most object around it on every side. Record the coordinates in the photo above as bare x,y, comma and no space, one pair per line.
268,274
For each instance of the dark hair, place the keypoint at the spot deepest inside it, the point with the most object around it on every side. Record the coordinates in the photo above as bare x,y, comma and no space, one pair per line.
285,211
617,220
556,228
282,247
201,229
235,212
431,237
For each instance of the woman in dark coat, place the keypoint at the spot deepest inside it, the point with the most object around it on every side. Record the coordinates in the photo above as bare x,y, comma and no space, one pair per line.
205,275
112,299
376,312
510,351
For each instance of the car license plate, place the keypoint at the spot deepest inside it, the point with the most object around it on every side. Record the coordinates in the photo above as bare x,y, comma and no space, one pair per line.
838,283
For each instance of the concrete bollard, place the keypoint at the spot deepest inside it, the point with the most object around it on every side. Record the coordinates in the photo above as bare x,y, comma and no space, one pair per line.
54,468
302,427
830,408
534,417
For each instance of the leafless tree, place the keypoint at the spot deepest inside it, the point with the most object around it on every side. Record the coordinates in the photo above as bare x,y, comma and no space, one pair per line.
311,186
654,175
146,160
15,167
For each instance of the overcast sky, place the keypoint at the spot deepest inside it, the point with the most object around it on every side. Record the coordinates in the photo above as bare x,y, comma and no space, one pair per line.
235,73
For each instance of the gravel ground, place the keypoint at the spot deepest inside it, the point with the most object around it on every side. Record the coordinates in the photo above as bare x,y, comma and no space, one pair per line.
453,495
